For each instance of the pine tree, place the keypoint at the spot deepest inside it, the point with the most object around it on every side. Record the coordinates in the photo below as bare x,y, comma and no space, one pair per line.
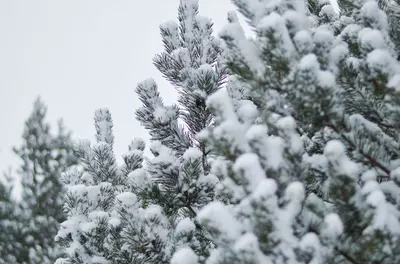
309,171
90,196
178,179
98,195
44,156
10,228
190,64
5,216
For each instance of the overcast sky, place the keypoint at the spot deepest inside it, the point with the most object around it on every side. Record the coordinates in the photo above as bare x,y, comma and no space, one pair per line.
80,55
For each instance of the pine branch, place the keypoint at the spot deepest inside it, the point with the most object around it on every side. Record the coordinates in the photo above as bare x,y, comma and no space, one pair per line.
191,210
347,256
386,125
371,160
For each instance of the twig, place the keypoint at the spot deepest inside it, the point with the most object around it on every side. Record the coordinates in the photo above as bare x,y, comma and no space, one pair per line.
347,256
373,161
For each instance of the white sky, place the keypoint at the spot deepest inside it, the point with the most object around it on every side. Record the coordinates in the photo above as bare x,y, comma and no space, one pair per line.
80,55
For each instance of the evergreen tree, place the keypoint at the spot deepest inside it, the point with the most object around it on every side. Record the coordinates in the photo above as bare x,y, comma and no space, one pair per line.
178,179
93,230
190,63
5,216
310,173
10,243
44,156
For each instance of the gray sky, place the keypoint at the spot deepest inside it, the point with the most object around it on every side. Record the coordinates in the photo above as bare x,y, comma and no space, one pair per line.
80,55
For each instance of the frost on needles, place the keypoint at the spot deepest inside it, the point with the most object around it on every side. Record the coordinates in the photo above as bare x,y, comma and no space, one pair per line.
294,161
306,137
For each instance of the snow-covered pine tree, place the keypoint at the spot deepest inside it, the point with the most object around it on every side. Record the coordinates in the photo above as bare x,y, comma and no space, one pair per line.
311,172
44,156
6,256
99,195
91,232
190,62
10,233
175,183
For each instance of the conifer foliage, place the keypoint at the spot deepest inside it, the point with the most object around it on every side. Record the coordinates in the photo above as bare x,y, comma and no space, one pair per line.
311,175
91,193
35,220
181,183
10,240
295,162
